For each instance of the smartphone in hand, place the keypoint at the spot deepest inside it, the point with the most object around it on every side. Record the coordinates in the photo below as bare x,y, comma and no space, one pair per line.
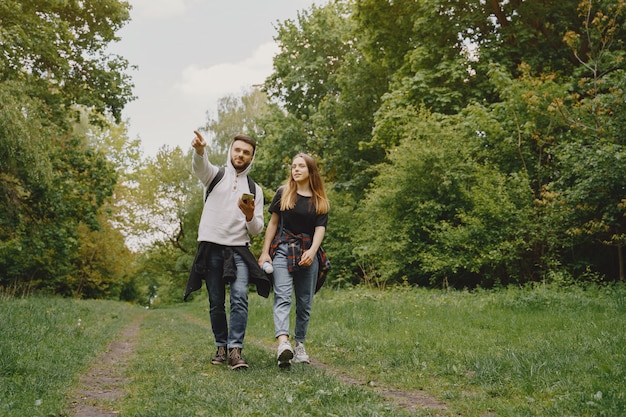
247,198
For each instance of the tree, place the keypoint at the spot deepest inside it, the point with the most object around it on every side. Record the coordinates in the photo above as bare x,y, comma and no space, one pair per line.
235,116
164,202
105,265
330,90
58,51
593,181
312,49
533,154
52,180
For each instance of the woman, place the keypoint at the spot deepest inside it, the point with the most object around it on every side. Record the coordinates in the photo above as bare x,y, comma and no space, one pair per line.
293,236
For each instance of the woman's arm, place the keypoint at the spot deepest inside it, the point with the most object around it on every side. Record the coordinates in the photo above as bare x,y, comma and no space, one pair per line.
270,232
310,254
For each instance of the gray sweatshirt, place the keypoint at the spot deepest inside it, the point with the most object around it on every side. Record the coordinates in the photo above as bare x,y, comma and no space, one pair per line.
222,221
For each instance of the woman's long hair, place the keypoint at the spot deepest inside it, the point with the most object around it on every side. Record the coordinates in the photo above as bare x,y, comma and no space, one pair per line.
319,198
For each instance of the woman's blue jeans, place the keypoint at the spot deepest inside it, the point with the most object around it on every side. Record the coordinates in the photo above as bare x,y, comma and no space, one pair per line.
302,283
224,336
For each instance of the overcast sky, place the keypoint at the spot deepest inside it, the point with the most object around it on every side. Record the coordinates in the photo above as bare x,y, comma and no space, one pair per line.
189,53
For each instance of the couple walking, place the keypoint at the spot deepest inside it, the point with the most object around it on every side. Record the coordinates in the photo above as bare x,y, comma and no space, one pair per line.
299,214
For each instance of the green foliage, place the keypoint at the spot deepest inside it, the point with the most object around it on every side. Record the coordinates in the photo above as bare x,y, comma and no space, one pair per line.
284,137
40,249
465,144
235,116
425,183
462,143
510,197
22,172
166,202
312,49
330,91
58,51
54,183
591,163
339,237
103,265
492,241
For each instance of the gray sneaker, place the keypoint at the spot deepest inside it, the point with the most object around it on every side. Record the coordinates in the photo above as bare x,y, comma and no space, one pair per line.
284,355
301,356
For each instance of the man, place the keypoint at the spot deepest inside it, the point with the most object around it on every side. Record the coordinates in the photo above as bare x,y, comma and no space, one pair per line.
223,254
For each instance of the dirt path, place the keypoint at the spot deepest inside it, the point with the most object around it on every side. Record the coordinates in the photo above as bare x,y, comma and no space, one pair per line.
408,400
104,382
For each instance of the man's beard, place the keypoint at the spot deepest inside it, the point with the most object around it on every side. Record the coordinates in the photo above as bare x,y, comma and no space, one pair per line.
241,167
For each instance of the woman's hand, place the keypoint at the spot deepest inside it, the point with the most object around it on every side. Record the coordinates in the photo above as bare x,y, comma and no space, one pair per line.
307,257
264,257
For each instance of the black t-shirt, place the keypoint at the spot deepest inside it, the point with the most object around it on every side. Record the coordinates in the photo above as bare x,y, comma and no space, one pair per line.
300,219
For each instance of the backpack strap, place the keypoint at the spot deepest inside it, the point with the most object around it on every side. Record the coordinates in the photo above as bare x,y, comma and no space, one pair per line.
251,186
218,177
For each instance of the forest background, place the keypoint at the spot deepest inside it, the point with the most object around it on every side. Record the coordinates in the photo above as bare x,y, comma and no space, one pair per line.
464,144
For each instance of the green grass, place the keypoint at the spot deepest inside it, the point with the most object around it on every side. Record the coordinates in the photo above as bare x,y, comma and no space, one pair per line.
539,352
515,353
173,376
45,343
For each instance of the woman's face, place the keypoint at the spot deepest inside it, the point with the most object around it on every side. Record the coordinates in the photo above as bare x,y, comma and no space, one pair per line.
299,170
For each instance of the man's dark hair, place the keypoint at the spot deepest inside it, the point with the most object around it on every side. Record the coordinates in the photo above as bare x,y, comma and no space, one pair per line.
248,140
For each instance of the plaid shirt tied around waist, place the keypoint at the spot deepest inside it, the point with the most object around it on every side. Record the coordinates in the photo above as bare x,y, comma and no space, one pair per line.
298,243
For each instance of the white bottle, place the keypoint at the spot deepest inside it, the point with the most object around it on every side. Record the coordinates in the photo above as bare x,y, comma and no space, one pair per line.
267,267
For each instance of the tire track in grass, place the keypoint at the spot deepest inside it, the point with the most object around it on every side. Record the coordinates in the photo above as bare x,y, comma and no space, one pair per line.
104,382
411,401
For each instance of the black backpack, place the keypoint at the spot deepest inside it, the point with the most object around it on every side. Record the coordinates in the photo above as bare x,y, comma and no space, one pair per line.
220,175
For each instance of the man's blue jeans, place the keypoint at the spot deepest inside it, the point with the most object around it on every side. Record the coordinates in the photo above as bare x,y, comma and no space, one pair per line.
224,336
302,282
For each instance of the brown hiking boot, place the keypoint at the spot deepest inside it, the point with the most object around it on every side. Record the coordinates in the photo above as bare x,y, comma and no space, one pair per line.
220,356
235,361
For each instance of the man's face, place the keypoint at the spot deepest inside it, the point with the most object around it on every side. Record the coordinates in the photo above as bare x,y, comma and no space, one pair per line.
241,155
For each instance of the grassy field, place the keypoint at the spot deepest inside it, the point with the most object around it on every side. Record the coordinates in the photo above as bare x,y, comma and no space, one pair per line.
513,352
